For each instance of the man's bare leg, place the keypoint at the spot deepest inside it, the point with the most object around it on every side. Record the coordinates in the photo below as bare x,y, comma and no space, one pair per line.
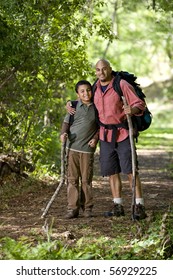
116,187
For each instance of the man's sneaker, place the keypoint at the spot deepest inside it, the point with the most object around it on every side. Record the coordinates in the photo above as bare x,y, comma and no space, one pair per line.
139,212
71,214
117,210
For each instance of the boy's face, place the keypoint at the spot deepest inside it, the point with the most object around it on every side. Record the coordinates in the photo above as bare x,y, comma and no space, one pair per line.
84,93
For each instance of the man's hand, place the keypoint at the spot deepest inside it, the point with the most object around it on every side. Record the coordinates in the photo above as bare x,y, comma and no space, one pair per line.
69,108
128,110
63,137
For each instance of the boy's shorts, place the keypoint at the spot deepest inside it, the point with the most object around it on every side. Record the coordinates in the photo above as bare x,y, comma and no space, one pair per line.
114,160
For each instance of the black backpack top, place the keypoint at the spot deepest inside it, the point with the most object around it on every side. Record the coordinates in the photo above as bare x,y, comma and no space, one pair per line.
143,122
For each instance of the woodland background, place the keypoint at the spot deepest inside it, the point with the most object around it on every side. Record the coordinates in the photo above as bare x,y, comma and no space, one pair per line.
45,48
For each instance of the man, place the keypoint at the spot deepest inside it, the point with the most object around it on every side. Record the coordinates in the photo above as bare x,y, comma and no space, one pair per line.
115,151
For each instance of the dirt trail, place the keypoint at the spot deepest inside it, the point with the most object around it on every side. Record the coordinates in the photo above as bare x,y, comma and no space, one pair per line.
21,215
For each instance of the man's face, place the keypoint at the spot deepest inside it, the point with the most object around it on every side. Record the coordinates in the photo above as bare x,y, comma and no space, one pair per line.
84,93
103,71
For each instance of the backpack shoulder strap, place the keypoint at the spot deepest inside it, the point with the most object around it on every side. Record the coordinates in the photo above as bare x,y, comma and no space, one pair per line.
74,105
116,83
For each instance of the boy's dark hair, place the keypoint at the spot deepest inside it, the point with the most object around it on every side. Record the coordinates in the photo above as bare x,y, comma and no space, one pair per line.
82,82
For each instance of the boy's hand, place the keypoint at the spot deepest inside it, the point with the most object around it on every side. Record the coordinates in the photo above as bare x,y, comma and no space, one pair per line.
92,143
63,137
69,108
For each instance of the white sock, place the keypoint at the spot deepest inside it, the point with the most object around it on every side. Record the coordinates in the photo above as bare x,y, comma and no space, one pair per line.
140,200
118,200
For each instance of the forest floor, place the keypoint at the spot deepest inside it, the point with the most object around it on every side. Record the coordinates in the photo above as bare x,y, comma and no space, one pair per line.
22,203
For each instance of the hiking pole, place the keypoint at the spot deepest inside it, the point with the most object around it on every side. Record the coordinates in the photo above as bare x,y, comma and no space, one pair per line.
133,152
62,179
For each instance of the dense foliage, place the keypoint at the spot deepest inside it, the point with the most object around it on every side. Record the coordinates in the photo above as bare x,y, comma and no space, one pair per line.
42,53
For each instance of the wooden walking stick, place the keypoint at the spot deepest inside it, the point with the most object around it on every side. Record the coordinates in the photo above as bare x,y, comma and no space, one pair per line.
62,179
133,152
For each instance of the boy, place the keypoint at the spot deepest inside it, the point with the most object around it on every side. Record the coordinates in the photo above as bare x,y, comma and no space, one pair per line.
82,139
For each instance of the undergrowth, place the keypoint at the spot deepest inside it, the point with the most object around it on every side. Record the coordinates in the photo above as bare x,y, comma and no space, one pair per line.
154,242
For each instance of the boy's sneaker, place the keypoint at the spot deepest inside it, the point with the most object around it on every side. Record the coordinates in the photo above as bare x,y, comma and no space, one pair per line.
117,210
140,212
88,214
71,214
